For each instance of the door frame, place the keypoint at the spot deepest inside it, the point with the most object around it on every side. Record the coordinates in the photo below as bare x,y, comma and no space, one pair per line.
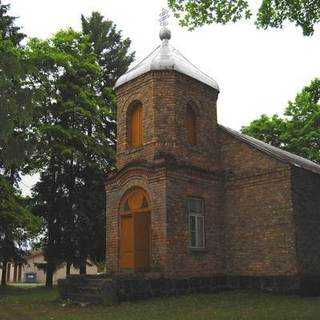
133,213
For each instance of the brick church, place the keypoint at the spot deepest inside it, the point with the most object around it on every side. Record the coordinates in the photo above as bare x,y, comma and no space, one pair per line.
191,197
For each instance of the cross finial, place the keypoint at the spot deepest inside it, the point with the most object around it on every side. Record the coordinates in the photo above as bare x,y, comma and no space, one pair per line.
164,17
165,33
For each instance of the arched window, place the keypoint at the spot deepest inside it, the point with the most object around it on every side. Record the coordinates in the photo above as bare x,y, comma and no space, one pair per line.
136,125
191,125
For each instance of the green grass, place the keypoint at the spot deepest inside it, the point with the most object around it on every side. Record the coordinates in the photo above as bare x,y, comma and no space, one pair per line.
39,303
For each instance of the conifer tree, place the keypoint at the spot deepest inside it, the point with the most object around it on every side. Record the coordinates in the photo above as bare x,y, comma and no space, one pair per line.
75,141
15,117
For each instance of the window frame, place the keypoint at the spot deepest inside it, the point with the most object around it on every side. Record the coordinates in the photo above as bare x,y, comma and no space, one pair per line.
197,217
191,125
133,108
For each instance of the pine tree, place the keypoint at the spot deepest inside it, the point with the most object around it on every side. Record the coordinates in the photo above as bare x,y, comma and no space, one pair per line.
114,57
75,143
15,115
8,29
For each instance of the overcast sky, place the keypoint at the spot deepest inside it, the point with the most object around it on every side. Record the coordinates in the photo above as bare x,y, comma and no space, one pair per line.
258,71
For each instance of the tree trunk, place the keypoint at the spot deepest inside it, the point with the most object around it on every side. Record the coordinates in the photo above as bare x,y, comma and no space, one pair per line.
83,268
49,275
15,272
68,267
4,273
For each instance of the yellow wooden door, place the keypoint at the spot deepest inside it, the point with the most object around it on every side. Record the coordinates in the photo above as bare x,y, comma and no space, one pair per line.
135,231
142,240
136,127
126,242
191,127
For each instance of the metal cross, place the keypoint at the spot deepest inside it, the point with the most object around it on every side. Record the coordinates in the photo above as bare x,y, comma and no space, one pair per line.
164,17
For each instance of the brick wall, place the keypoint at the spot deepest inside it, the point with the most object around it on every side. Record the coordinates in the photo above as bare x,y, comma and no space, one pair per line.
306,201
250,208
259,229
152,180
141,89
183,261
164,96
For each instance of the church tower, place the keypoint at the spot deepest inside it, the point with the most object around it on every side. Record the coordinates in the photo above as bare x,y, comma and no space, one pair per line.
164,200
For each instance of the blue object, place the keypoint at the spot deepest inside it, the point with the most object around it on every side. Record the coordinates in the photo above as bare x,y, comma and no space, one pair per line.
30,277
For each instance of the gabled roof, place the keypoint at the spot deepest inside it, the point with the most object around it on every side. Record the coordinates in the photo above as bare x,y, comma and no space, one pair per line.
34,253
166,57
275,152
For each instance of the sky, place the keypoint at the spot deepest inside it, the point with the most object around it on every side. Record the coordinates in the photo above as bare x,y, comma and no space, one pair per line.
258,71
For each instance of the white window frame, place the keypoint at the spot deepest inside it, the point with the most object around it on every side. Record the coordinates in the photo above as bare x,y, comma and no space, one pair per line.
197,216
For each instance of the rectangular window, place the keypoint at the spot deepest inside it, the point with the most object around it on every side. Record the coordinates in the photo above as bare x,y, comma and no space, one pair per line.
196,222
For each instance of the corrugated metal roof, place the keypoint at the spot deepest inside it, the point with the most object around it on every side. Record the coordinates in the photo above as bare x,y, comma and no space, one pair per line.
275,152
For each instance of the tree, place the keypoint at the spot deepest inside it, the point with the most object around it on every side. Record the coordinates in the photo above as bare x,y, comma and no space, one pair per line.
299,130
15,96
75,136
267,129
114,57
8,29
15,113
271,13
111,50
17,225
48,203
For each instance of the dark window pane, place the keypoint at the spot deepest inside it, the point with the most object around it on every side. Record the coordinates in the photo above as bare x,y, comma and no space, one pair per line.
126,206
144,203
193,242
200,232
195,206
196,222
192,224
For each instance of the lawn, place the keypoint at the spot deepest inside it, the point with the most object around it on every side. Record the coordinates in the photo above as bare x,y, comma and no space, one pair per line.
39,303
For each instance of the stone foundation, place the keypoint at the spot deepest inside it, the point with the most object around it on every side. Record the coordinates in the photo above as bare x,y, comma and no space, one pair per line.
105,289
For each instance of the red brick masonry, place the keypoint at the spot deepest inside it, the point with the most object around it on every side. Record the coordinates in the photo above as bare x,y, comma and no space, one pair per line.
262,215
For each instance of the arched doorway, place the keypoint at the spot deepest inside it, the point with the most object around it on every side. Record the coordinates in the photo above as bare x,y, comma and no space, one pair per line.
135,231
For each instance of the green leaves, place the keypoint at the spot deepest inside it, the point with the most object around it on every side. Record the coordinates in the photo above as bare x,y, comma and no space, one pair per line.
16,107
267,129
303,13
193,13
271,14
8,30
112,51
57,117
74,130
299,130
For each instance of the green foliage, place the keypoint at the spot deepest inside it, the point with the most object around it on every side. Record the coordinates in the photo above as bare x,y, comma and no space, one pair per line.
57,116
299,130
114,57
193,13
8,29
272,13
303,13
74,135
267,129
72,117
111,50
16,221
15,96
